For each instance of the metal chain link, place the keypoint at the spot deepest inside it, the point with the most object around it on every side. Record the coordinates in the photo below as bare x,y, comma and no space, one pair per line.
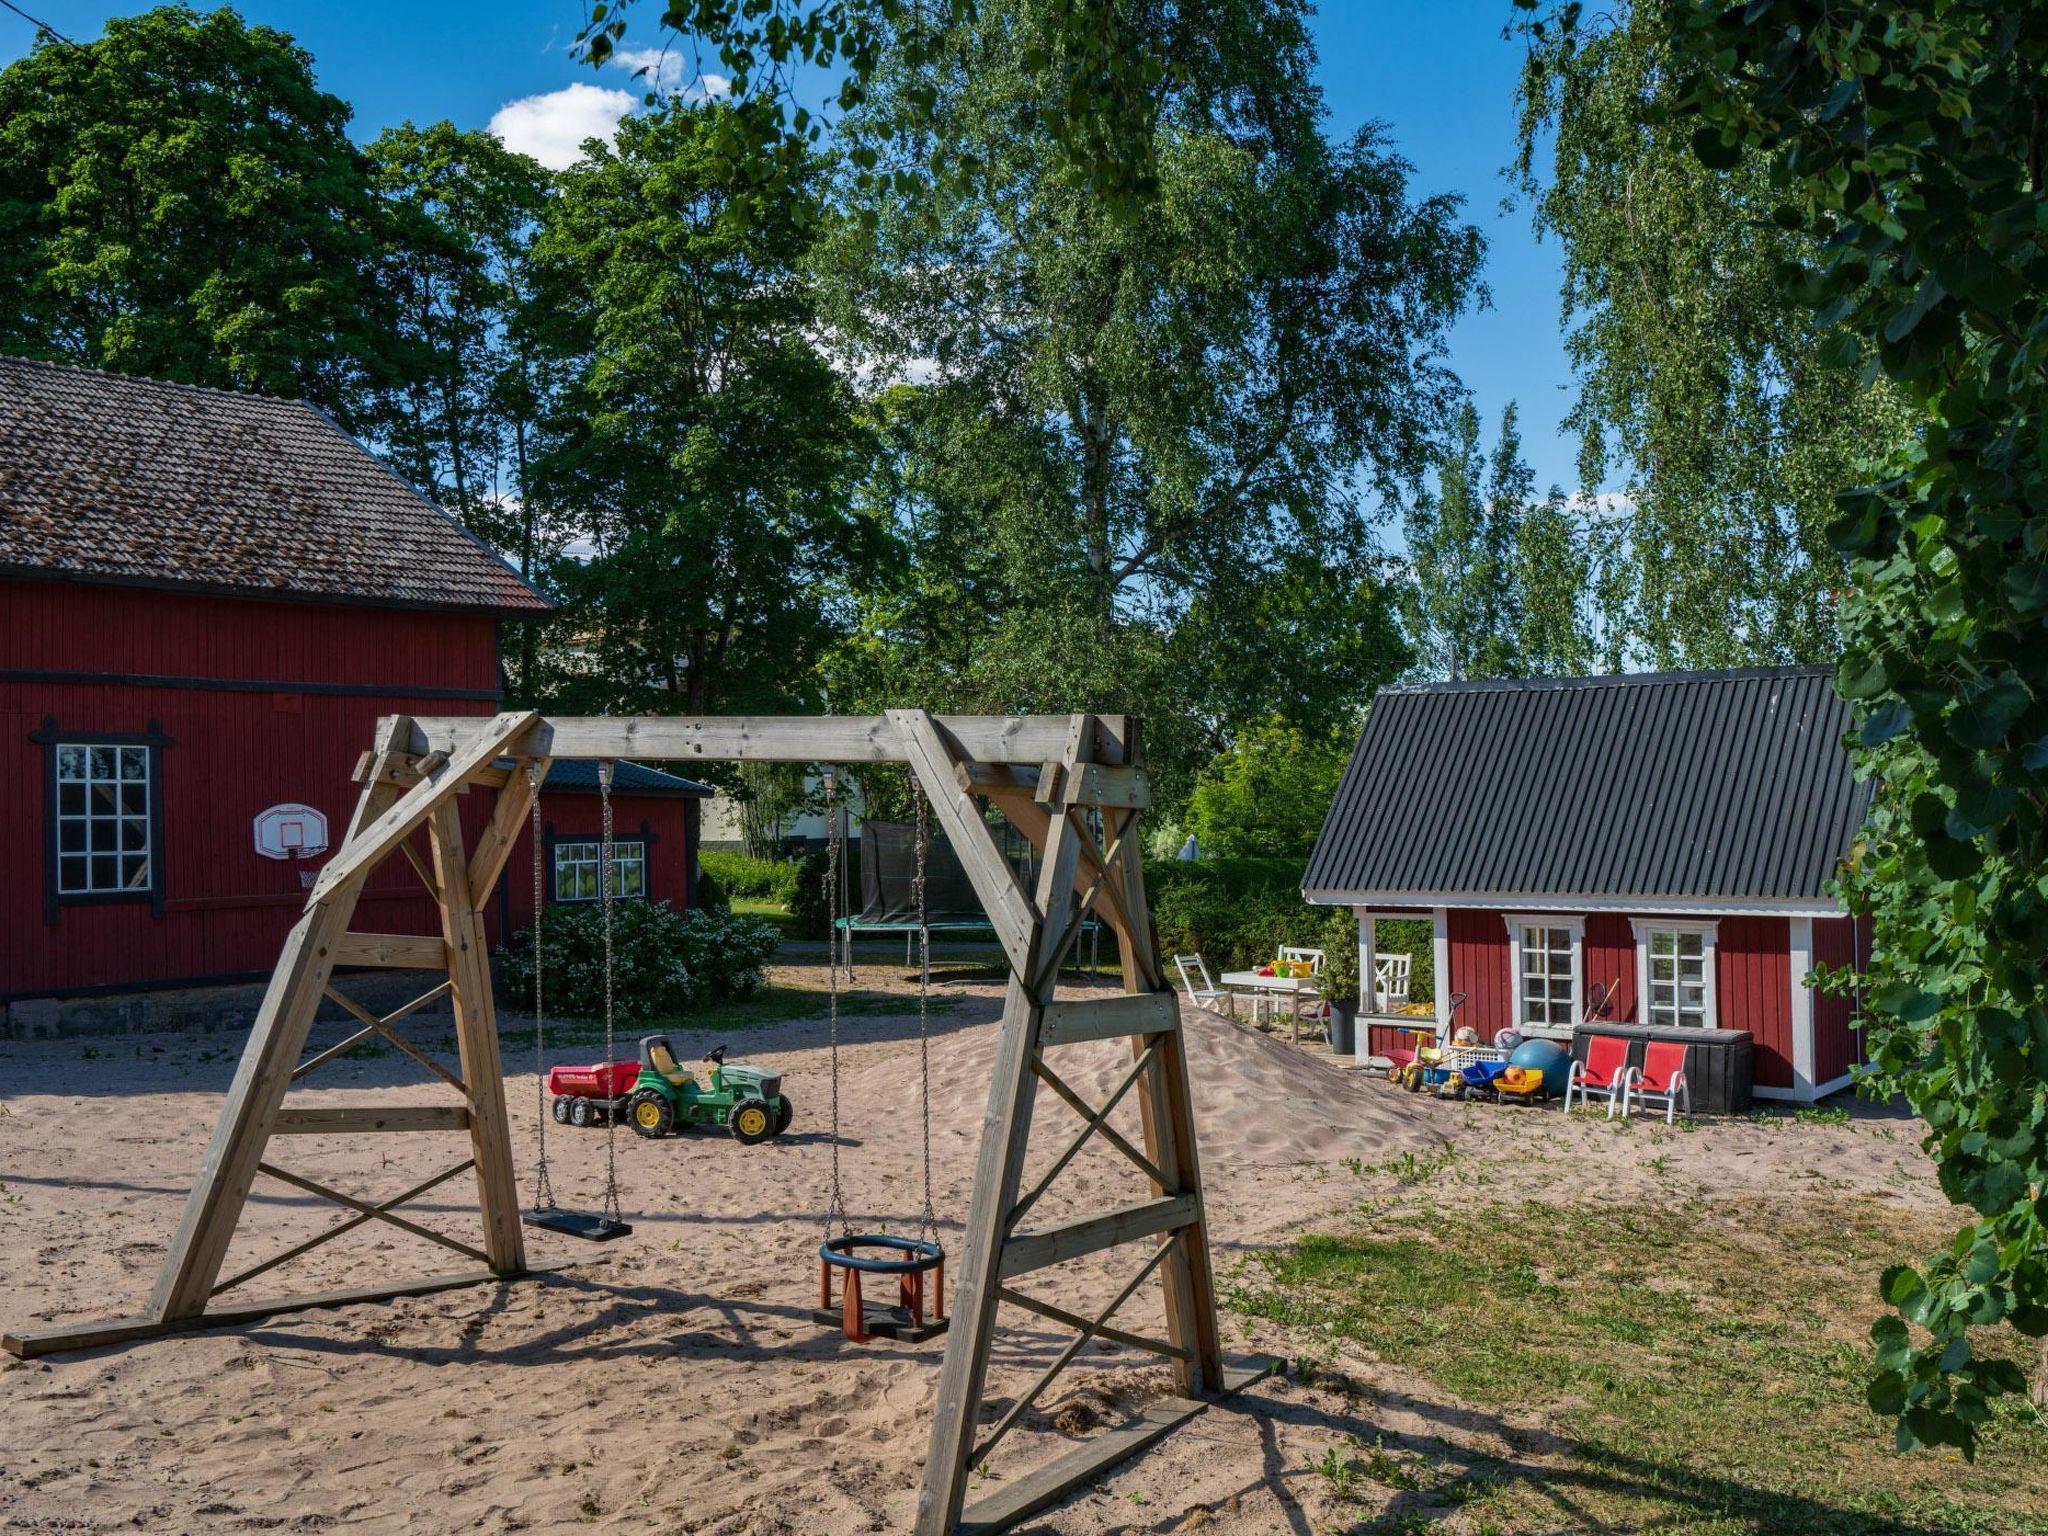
543,1189
835,840
929,1230
604,888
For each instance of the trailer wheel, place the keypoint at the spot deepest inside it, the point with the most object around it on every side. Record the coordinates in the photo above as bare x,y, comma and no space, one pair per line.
560,1110
579,1113
650,1114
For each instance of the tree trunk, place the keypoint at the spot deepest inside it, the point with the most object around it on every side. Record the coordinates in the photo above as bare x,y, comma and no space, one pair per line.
2041,1380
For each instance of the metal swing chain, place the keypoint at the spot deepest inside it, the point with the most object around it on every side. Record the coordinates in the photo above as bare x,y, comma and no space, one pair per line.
929,1230
835,838
543,1188
604,889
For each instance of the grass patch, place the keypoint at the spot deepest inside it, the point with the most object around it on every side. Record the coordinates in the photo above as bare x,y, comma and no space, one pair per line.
1705,1368
770,911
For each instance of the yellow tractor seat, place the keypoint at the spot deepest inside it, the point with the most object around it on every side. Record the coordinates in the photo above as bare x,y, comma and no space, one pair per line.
659,1056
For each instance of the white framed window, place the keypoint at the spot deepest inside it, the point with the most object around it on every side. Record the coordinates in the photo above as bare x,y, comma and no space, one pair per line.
1545,971
576,862
105,834
1675,972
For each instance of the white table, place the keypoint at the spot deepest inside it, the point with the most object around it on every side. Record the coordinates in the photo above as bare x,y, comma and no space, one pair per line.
1276,986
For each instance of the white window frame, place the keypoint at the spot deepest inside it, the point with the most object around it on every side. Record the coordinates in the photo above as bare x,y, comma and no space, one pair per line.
1576,927
1709,932
89,820
629,858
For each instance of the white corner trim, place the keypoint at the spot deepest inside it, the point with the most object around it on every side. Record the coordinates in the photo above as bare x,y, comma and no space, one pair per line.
1803,1052
1710,933
1440,968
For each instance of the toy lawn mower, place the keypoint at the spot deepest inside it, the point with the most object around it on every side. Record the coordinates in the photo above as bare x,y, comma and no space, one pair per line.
655,1095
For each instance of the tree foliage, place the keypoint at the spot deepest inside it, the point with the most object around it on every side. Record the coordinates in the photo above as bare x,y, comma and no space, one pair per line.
1699,380
1498,581
1121,439
701,441
1267,795
1906,145
180,199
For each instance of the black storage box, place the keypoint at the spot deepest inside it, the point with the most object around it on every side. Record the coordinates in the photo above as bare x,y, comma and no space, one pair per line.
1718,1062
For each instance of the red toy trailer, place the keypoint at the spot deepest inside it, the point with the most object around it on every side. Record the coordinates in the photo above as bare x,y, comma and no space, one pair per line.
585,1095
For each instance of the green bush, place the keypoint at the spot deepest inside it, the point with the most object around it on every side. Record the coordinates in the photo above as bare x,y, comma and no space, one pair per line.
1267,795
739,875
665,963
1236,913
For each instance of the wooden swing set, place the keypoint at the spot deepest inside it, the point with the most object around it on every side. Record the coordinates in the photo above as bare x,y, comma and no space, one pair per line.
1072,785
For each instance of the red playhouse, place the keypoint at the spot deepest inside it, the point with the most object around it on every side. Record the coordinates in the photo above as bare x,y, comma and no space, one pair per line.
207,599
1651,851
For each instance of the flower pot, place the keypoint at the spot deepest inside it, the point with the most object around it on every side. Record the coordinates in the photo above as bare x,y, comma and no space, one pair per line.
1343,1026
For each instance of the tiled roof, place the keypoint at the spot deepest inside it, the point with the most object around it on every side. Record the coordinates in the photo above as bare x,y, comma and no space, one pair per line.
105,477
578,775
1689,785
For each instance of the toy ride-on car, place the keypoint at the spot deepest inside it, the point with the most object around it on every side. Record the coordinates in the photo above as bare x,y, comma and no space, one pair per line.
656,1095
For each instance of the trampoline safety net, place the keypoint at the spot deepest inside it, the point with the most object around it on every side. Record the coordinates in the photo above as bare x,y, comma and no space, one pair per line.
888,875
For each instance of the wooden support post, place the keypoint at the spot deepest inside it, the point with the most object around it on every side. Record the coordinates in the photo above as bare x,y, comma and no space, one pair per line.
476,1035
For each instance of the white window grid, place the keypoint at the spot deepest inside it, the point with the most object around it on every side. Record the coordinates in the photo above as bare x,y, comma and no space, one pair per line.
1675,961
105,843
576,869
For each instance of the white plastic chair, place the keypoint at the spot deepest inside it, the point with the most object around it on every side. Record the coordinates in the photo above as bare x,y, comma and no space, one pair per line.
1208,994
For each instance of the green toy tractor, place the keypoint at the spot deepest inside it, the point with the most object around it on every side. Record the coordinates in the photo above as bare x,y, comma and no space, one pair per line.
746,1100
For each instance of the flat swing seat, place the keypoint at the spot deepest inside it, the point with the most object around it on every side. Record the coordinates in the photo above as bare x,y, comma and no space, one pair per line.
587,1225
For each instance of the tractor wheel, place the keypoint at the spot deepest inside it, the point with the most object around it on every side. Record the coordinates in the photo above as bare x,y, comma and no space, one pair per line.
784,1113
579,1113
752,1122
560,1110
650,1114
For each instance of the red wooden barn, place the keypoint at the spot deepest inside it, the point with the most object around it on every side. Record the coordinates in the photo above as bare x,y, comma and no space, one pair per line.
1670,837
207,599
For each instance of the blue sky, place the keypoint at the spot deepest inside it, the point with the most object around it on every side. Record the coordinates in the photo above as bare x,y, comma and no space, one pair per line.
1439,75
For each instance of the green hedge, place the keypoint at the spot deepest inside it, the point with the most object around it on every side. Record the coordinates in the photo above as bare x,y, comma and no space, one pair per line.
738,875
1236,913
665,963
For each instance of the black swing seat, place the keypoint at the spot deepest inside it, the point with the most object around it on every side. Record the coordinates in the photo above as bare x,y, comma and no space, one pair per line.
588,1225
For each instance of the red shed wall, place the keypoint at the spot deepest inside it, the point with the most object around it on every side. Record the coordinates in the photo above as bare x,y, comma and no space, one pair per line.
1753,990
1479,962
1609,957
262,703
1837,941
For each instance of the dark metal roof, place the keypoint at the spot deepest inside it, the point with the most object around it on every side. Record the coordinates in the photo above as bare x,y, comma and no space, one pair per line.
576,774
104,477
1686,785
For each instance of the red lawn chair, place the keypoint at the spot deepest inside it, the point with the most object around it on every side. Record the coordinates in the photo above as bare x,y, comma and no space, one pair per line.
1605,1070
1661,1077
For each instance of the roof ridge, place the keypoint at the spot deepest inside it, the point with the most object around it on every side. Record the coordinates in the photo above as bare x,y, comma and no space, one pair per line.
153,381
1612,679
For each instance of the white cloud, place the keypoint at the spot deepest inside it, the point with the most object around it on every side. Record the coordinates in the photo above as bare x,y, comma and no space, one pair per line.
661,70
554,127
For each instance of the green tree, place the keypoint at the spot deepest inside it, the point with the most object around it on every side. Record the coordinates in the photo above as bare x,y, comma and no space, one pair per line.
1699,382
1267,795
1907,144
463,212
1554,552
700,441
1465,594
180,199
1124,417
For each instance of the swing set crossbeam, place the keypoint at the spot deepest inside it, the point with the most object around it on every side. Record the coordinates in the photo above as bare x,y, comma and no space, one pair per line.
1070,784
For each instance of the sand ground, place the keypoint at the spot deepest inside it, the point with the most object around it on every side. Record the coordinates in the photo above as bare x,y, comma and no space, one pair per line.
675,1383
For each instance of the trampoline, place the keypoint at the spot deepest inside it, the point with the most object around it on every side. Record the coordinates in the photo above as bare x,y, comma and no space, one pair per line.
888,888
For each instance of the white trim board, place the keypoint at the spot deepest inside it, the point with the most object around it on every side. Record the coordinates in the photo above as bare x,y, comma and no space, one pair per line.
1552,901
1807,1095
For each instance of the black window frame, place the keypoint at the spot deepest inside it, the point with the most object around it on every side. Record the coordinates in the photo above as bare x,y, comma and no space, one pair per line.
645,836
50,737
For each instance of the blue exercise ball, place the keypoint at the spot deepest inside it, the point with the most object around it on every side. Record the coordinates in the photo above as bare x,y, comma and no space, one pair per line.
1547,1057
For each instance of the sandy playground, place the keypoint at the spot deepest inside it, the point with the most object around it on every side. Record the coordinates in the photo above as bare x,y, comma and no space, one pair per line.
675,1383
